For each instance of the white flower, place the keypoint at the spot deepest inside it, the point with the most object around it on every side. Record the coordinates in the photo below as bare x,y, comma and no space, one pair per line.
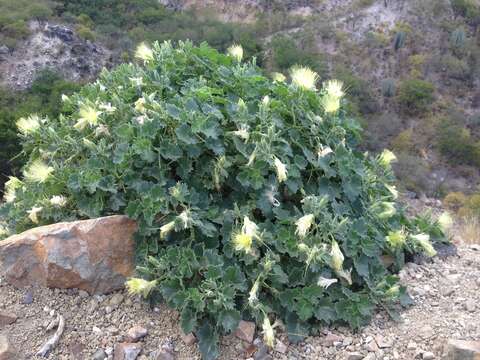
268,332
386,158
304,224
278,77
241,104
166,229
58,200
253,294
281,170
88,116
33,214
324,151
249,227
396,239
303,77
345,274
423,240
140,105
185,219
387,209
28,125
331,104
108,108
266,100
303,248
243,242
141,119
38,171
144,52
65,98
242,133
325,282
334,88
393,190
11,186
137,81
236,51
445,221
142,287
336,257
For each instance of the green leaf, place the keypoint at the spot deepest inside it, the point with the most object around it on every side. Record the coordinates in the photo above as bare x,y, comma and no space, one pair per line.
296,329
188,320
208,341
229,320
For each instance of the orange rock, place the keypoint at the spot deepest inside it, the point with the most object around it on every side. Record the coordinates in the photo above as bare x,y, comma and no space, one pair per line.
93,255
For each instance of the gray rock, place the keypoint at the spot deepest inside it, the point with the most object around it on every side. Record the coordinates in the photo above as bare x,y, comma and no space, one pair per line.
99,355
463,350
7,350
136,333
354,356
428,355
28,298
7,318
189,339
280,347
470,305
4,50
127,351
93,255
245,331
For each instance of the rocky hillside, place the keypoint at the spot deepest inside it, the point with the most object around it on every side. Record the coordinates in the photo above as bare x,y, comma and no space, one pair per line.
51,46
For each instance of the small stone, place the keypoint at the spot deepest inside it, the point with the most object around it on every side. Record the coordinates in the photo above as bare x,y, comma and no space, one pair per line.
371,346
83,294
165,355
347,341
330,339
189,339
463,350
136,333
370,356
470,305
7,318
28,298
127,351
411,345
99,355
262,353
280,347
96,330
383,342
7,350
245,331
116,300
447,291
354,356
428,355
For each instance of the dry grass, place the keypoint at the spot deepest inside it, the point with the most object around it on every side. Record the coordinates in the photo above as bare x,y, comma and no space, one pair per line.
469,230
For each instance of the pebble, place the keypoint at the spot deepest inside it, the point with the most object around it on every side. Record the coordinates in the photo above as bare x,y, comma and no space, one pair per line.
354,356
428,355
245,331
189,339
99,355
470,305
280,347
136,333
28,298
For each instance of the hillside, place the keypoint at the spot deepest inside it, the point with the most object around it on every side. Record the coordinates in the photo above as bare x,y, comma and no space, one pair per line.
410,67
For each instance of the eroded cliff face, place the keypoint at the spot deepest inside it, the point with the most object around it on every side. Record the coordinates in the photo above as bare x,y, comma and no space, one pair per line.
54,47
244,10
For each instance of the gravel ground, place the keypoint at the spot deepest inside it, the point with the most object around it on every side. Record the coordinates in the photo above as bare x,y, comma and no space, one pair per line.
446,294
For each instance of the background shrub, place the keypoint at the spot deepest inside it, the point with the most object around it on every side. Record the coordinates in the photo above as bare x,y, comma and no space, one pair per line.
251,199
415,96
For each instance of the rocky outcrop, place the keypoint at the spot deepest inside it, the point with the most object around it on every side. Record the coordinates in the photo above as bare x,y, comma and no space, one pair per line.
93,255
54,47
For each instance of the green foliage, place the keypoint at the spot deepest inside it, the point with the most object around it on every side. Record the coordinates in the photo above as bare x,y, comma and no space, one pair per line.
456,142
43,98
468,9
287,53
251,200
415,96
458,38
399,40
14,16
389,88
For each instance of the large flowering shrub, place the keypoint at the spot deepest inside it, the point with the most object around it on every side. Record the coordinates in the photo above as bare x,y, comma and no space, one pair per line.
250,197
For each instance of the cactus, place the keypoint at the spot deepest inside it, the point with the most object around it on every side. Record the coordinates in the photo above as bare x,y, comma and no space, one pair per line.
388,88
399,40
458,38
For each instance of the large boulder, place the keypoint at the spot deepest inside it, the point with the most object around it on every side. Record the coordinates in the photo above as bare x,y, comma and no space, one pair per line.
93,255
